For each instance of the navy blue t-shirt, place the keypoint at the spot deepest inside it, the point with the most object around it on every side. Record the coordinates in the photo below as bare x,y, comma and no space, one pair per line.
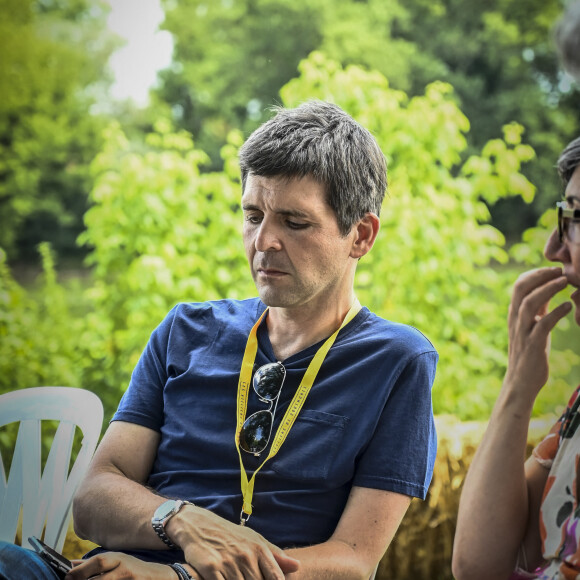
367,421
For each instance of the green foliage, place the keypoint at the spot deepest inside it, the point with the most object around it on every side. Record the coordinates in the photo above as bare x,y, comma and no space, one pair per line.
500,58
432,264
231,59
160,230
39,343
38,333
53,53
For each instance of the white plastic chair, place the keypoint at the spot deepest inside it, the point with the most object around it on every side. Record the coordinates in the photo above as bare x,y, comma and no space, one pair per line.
47,497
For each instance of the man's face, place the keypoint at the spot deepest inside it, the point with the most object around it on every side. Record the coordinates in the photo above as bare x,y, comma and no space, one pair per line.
295,250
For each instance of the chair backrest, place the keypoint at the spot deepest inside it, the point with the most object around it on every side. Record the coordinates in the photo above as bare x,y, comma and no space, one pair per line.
45,498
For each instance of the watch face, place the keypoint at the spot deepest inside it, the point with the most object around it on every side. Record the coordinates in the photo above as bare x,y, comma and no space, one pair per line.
165,509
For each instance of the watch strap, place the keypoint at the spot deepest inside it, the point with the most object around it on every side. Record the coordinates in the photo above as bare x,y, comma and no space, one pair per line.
181,572
159,525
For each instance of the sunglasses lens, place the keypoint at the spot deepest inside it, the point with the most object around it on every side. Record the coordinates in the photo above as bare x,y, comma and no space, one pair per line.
268,381
256,431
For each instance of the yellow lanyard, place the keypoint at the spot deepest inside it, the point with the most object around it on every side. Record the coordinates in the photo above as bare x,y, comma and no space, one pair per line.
293,409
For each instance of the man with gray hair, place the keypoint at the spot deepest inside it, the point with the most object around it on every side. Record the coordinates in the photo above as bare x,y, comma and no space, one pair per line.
281,436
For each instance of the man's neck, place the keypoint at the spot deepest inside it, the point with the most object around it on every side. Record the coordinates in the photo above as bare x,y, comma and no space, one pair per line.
293,329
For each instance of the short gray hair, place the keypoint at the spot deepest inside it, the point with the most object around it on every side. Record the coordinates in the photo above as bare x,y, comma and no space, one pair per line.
319,140
569,160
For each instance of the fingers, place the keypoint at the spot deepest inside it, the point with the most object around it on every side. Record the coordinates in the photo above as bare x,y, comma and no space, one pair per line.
536,303
532,293
286,563
534,278
94,566
219,549
118,565
530,324
250,563
278,565
546,323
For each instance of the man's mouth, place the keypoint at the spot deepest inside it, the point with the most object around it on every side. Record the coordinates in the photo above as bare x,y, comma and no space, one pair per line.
270,272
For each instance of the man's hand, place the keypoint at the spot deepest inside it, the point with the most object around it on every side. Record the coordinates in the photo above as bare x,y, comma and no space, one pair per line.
115,509
218,549
530,323
115,565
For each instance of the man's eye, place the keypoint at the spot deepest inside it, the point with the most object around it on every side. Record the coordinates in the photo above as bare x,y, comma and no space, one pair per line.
253,219
296,225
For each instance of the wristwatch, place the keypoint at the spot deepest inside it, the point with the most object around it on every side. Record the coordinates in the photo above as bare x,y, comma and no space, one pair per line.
162,515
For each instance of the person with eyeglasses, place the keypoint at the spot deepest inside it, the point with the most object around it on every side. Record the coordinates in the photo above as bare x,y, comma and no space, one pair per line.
281,436
521,519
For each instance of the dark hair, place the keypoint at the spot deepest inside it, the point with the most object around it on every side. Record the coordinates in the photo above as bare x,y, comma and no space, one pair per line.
569,160
567,34
319,140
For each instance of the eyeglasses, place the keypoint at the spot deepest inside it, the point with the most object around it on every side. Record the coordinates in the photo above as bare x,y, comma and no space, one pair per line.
257,428
568,223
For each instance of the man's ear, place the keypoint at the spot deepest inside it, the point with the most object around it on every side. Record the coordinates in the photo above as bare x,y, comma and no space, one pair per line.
366,231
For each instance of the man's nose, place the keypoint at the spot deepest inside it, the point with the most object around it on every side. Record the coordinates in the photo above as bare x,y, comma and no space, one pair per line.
267,238
555,250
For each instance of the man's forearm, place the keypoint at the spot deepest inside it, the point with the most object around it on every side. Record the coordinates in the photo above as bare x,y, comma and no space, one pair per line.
332,560
115,512
365,530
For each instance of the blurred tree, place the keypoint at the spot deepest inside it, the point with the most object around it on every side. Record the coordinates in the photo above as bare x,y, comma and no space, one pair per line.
501,59
232,57
160,230
230,60
431,266
53,57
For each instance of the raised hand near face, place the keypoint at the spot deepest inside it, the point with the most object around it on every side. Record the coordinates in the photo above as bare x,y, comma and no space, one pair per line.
530,322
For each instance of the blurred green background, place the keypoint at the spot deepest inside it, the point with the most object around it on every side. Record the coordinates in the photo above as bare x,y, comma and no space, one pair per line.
111,212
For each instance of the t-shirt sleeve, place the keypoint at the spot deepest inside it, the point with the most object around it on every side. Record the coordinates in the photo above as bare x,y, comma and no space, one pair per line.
545,452
401,454
142,402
